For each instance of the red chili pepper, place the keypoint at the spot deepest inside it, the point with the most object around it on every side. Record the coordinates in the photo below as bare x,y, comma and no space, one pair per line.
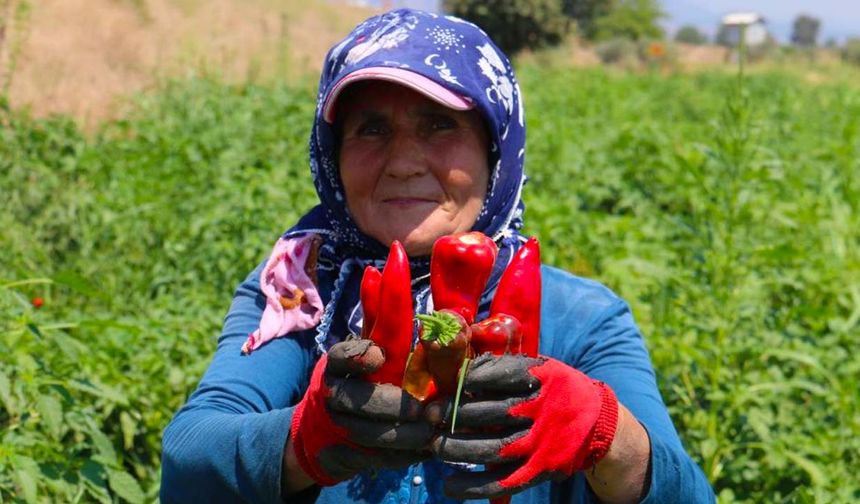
518,294
392,330
37,302
445,336
369,295
498,334
459,268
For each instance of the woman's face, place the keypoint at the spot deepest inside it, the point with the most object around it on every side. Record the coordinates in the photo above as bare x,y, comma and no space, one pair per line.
413,170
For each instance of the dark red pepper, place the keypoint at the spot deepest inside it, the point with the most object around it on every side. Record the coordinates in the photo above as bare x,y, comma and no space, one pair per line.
369,295
499,334
518,294
460,265
445,336
392,329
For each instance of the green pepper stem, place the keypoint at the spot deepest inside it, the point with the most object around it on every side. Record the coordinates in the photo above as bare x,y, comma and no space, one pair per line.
439,326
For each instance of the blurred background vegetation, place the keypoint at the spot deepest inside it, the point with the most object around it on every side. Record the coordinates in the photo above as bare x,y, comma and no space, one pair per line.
151,151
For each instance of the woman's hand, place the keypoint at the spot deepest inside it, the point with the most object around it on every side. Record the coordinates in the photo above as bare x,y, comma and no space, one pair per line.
344,424
529,420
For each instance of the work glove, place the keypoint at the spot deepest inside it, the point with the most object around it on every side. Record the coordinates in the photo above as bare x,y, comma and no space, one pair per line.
345,425
528,419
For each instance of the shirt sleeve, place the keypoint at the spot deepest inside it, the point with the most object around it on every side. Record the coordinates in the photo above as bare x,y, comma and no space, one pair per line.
226,443
594,331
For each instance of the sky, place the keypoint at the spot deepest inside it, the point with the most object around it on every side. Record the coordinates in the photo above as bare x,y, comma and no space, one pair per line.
839,18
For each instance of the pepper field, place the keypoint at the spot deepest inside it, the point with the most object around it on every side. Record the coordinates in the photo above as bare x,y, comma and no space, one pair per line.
726,210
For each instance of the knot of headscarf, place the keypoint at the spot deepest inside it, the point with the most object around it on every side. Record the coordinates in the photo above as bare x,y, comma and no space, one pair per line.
455,54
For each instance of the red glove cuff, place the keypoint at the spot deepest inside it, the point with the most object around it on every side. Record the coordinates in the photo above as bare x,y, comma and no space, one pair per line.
606,425
306,463
312,429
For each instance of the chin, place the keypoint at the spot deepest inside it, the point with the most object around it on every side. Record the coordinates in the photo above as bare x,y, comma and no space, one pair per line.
417,237
417,249
416,242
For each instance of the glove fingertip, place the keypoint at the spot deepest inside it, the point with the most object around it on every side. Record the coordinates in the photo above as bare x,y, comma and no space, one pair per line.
359,356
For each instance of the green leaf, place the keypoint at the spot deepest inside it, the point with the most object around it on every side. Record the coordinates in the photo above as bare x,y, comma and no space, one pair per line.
52,413
101,324
80,285
26,476
35,330
103,445
99,390
815,472
125,486
6,395
95,481
128,426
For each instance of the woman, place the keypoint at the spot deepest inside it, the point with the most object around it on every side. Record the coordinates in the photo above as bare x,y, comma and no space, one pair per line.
419,132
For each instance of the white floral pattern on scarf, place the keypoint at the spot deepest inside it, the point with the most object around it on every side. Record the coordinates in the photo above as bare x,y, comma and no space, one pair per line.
383,37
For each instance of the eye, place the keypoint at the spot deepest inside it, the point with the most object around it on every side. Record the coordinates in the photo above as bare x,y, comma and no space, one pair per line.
442,122
371,127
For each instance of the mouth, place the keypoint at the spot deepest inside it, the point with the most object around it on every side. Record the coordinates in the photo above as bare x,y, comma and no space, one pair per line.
407,201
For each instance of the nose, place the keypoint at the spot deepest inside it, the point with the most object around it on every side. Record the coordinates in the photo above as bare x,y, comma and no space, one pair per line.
405,156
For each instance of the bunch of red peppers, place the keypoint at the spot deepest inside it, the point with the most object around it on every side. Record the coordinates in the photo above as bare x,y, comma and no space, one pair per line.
460,266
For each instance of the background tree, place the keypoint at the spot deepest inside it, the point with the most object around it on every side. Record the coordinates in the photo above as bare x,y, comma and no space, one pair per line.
515,24
585,14
689,34
804,32
631,19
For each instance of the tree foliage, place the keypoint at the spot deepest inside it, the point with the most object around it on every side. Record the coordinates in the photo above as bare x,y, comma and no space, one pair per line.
689,34
585,14
804,32
515,24
632,19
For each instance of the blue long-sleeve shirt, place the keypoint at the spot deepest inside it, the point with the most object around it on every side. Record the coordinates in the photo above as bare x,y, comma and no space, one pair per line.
226,443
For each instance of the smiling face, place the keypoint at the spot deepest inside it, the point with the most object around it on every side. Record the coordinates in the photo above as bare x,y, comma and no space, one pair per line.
413,170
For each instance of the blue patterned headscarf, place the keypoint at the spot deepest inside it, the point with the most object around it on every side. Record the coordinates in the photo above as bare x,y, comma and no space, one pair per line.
459,56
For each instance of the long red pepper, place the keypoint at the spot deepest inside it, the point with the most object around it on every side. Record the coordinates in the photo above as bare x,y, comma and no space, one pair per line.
371,281
392,330
460,265
518,294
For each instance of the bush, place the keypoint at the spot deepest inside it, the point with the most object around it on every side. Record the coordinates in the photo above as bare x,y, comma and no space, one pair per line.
851,51
689,34
515,24
619,51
